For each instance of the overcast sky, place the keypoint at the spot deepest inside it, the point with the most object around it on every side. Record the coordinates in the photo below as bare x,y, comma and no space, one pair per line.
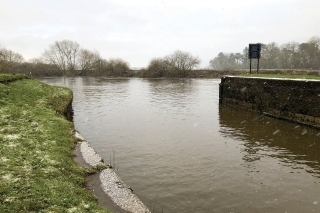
139,30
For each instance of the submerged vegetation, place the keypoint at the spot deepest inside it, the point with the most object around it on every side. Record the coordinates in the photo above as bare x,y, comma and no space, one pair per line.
38,173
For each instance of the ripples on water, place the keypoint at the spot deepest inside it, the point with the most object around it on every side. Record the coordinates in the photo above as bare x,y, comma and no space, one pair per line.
175,147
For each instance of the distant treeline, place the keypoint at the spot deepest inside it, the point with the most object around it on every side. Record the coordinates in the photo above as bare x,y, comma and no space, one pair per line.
64,58
292,55
67,58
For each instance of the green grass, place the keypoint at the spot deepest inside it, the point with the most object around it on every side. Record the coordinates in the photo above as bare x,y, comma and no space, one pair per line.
297,76
37,170
6,78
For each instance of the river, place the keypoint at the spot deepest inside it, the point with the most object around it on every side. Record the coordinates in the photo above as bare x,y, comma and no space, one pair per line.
180,152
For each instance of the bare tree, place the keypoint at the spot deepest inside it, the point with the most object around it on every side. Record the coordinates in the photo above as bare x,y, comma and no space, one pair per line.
10,56
182,60
315,39
225,61
238,58
116,67
87,59
288,55
36,60
309,55
157,68
178,64
269,55
63,54
9,60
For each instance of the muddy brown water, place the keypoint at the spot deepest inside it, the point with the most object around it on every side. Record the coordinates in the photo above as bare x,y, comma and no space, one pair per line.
181,152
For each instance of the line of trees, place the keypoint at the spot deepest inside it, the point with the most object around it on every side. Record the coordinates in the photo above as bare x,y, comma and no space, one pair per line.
178,64
9,59
292,55
64,58
69,58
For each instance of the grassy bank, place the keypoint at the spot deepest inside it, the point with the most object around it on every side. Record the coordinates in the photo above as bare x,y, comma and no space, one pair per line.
7,78
37,172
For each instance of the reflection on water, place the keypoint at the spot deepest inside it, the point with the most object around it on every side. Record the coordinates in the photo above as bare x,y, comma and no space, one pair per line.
175,147
263,137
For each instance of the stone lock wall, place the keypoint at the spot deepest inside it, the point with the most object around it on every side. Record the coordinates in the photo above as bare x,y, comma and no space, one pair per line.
296,100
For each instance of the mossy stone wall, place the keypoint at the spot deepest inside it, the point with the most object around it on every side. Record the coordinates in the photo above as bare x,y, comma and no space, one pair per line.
296,100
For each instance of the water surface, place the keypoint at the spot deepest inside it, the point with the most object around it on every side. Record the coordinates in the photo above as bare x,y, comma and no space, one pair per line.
180,152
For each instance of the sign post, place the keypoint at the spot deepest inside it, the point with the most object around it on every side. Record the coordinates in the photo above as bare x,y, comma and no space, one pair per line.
254,53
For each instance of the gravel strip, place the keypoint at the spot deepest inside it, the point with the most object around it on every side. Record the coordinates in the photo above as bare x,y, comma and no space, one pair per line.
111,184
77,135
120,193
89,154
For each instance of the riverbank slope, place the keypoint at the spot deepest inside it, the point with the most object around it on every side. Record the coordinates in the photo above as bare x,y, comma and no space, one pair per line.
38,173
